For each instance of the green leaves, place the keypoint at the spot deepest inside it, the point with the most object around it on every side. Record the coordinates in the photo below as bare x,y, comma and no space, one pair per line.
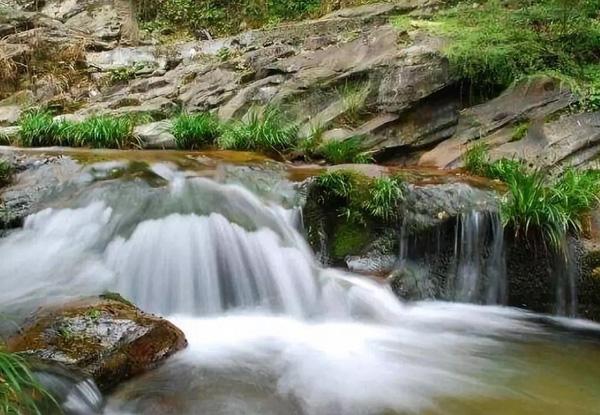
349,150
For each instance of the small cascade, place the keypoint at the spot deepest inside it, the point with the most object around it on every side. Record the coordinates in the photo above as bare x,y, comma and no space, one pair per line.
480,275
464,262
565,270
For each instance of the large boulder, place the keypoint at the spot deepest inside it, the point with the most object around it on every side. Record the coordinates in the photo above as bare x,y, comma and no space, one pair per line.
105,337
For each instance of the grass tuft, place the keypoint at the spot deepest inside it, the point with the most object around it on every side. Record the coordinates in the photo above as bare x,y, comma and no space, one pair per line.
195,131
20,393
385,195
99,132
345,151
6,172
266,130
38,128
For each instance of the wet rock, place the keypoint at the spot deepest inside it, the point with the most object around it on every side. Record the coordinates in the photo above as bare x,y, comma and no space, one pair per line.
109,340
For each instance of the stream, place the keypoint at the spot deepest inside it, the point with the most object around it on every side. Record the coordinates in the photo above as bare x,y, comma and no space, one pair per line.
220,252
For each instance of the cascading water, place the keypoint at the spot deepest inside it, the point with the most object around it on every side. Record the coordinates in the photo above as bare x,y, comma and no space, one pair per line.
270,331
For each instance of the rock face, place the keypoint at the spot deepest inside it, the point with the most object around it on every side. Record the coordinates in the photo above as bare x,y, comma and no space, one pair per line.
106,338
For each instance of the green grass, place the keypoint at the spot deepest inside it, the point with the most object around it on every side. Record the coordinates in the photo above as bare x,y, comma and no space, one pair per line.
498,42
98,132
360,199
6,172
20,393
354,98
194,131
519,131
349,150
385,193
267,130
534,203
38,129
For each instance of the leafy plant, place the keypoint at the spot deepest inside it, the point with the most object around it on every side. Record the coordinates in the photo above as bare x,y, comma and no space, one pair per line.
20,392
345,151
264,131
477,161
195,131
125,73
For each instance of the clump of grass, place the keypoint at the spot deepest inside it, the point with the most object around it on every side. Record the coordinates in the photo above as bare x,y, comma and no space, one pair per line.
360,199
519,132
345,151
384,197
20,392
354,98
6,172
266,130
476,161
195,130
38,128
100,132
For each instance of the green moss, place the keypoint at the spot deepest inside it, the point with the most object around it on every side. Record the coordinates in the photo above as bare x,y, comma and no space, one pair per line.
349,239
116,297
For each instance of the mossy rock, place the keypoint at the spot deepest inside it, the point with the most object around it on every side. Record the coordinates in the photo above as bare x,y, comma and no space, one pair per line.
107,338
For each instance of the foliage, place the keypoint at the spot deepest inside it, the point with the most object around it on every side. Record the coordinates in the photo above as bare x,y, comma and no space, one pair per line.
359,198
348,239
495,42
266,130
20,393
195,130
100,132
345,151
6,172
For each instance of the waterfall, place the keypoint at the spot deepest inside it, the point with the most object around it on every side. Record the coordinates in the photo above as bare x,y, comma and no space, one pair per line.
480,275
464,263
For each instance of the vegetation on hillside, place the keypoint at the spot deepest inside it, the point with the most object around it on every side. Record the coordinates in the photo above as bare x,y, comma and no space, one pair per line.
221,17
6,172
536,202
493,43
193,131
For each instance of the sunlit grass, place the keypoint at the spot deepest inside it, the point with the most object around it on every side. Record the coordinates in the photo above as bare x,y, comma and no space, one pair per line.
193,131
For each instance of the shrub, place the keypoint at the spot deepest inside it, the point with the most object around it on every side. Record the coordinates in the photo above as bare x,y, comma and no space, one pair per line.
345,151
265,131
195,131
38,129
476,161
20,393
100,132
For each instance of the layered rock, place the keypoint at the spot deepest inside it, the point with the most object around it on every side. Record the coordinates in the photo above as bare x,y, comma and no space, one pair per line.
106,338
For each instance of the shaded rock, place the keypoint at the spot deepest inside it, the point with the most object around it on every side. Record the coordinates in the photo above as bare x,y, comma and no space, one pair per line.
100,22
528,100
156,135
107,339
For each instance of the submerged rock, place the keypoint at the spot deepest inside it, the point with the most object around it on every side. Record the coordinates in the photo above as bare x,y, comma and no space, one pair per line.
107,338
